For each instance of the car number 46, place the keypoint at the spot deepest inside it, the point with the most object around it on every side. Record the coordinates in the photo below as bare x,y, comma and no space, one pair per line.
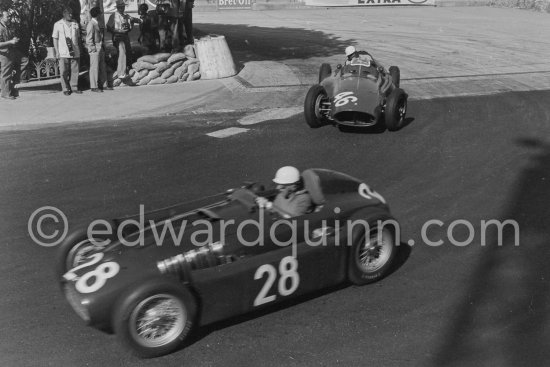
342,99
289,279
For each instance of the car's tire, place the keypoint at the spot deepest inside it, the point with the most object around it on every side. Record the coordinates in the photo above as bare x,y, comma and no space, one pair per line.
395,75
324,72
314,98
76,248
396,109
161,331
371,255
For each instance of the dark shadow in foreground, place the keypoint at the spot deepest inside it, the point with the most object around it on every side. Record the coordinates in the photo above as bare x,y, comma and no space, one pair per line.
503,318
376,129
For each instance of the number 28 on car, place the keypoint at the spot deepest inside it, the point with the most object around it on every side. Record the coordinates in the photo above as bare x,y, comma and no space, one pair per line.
155,294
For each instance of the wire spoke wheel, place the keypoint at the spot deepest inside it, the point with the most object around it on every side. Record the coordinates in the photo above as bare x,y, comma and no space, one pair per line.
157,320
374,251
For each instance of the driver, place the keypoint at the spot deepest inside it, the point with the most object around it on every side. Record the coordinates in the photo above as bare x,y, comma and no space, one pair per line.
384,78
292,200
352,53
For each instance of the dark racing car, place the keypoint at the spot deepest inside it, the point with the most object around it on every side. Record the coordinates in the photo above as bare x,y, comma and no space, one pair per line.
358,94
153,289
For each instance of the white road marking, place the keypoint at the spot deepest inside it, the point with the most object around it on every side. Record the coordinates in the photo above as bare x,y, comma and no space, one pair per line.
271,114
224,133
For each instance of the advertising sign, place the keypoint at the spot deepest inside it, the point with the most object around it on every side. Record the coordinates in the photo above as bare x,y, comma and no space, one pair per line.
234,4
367,2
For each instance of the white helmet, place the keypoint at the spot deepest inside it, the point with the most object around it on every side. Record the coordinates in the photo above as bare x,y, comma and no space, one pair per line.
287,175
350,50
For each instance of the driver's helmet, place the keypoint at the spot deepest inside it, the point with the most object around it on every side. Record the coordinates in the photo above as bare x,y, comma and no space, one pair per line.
350,50
287,175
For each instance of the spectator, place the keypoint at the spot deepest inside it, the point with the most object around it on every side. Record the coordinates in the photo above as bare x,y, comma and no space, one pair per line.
96,50
10,57
180,15
120,24
149,28
66,41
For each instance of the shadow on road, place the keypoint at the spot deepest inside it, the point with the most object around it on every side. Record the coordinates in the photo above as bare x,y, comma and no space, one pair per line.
376,129
503,318
250,43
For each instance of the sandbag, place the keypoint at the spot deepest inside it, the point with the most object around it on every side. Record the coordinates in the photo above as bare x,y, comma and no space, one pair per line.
135,78
155,59
172,79
177,64
189,51
180,56
183,77
193,68
157,81
141,65
162,66
144,81
180,71
153,74
143,73
190,61
167,73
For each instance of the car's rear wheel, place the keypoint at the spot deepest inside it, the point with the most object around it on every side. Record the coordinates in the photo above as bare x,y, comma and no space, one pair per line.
155,318
324,72
396,109
315,98
395,75
371,256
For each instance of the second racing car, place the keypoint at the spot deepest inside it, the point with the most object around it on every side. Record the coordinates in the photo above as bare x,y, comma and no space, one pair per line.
358,94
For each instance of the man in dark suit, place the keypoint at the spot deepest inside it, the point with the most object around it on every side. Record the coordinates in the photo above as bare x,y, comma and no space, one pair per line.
11,58
96,50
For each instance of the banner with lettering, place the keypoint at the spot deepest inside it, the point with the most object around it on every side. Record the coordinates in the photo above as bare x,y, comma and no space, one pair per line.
367,2
234,4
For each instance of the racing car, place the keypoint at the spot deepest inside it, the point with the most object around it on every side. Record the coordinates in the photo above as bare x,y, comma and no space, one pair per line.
154,292
355,96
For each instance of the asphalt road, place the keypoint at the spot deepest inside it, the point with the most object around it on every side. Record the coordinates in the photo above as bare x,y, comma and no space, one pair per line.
469,158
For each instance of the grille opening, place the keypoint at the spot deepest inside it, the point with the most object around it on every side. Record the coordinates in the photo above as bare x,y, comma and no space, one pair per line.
356,118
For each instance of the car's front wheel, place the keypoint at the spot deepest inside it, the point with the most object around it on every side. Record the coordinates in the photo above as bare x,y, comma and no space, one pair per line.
371,256
78,247
155,318
396,109
313,106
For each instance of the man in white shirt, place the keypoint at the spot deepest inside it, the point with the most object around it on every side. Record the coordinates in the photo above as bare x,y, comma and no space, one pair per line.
66,42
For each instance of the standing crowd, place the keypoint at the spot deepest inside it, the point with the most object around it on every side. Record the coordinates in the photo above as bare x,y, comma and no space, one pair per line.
69,45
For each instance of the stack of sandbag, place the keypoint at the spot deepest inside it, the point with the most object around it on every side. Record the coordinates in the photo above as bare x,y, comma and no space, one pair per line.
164,68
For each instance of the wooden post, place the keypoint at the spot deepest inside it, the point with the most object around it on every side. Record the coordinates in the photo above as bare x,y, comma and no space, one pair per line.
214,57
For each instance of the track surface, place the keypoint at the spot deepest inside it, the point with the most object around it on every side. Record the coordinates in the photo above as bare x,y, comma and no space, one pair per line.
462,158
